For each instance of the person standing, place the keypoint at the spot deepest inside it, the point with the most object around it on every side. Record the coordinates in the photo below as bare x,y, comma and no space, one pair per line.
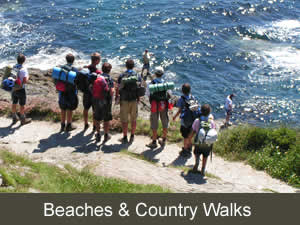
87,95
206,121
146,62
67,99
187,117
159,109
228,109
127,95
106,68
19,92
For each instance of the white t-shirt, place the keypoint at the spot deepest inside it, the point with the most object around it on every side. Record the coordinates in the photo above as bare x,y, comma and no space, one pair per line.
228,103
146,58
23,72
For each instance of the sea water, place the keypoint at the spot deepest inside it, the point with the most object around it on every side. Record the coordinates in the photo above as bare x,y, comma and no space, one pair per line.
250,48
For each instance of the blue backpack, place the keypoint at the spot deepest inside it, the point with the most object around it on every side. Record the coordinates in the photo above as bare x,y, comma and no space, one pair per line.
191,111
8,84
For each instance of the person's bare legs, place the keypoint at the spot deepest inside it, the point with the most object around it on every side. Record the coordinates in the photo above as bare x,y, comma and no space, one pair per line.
69,116
85,116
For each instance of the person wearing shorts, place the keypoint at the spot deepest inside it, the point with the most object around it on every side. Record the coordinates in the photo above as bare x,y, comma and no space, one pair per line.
68,100
184,129
202,149
159,109
228,109
87,98
146,64
127,95
107,117
19,95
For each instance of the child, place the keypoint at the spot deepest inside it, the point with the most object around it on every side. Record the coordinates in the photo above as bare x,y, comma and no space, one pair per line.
187,119
202,148
19,92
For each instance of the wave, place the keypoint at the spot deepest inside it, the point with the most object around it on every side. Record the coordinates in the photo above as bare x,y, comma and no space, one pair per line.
277,31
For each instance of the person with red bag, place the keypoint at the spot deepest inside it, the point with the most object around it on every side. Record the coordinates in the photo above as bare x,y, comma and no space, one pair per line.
100,93
159,109
67,97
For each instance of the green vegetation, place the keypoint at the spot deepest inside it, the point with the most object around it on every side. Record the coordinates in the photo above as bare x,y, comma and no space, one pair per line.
20,174
277,151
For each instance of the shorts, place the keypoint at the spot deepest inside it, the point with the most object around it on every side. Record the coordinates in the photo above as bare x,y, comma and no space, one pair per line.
163,117
203,149
128,109
185,131
146,66
19,96
102,110
228,112
87,100
68,101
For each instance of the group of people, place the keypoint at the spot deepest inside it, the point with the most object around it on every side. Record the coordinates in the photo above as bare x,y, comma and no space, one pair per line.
126,91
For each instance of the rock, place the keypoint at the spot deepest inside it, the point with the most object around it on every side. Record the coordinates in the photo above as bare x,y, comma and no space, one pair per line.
1,180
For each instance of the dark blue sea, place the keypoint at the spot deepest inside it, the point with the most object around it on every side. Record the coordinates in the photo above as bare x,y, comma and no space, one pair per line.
250,48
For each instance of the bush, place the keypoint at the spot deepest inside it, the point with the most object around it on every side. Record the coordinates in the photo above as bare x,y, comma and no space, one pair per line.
277,151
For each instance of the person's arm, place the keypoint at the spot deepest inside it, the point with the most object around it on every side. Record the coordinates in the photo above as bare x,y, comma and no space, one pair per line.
117,96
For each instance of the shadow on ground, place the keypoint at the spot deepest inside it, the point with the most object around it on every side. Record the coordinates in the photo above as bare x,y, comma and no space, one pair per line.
193,178
6,131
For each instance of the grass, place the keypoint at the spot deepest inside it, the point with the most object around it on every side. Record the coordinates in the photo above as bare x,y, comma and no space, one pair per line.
275,150
20,174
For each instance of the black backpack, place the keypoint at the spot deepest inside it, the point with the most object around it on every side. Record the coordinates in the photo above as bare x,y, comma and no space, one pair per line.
129,90
191,111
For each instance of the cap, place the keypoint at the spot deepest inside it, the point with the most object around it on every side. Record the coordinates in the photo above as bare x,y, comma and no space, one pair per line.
159,70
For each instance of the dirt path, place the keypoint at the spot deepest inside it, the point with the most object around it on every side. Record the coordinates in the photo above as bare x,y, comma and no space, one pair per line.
42,142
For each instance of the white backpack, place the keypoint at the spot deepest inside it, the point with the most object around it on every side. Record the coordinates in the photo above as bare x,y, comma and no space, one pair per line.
206,134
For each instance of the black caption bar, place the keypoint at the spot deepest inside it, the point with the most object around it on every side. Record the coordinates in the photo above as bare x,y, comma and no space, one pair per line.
89,209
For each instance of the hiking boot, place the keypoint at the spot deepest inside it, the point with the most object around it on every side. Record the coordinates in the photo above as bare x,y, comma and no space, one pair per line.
131,138
15,119
62,127
124,140
195,169
152,145
98,137
86,126
25,120
185,153
94,128
106,137
203,172
70,127
162,142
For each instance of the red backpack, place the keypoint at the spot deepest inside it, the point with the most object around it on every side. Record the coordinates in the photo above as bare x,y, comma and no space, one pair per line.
100,88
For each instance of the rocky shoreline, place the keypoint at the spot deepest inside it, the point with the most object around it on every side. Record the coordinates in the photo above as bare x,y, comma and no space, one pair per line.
41,93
